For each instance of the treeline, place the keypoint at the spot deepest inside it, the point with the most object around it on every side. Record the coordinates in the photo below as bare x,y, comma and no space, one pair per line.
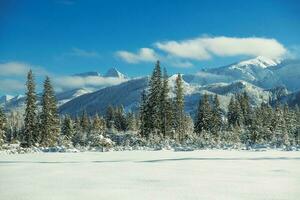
160,119
42,126
163,116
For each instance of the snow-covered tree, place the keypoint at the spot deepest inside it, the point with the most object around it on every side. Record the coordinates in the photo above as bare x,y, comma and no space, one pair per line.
3,122
144,126
203,116
50,127
31,134
109,117
153,103
217,117
67,129
179,113
166,113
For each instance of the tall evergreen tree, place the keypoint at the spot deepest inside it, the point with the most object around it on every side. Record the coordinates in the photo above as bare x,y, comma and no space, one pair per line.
3,122
153,103
217,121
234,115
67,128
179,113
49,116
278,126
166,107
85,122
31,133
98,124
144,126
204,115
110,117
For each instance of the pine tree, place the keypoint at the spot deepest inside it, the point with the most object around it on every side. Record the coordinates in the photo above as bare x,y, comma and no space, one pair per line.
120,119
49,116
30,134
110,117
97,131
234,115
131,121
179,108
244,103
85,122
297,133
217,121
204,116
3,123
144,126
166,107
278,127
291,123
153,103
98,124
79,137
67,128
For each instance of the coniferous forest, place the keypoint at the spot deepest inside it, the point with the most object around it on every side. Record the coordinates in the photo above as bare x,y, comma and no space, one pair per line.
161,121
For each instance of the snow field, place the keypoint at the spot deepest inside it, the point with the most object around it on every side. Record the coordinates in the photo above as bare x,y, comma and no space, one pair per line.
206,174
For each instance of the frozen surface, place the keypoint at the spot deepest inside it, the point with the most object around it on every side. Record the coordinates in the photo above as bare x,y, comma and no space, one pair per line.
151,175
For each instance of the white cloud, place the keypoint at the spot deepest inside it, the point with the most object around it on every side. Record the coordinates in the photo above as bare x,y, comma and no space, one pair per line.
143,55
19,69
83,53
72,82
11,85
204,48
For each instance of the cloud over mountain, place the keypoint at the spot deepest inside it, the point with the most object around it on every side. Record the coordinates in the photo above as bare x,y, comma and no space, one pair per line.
203,48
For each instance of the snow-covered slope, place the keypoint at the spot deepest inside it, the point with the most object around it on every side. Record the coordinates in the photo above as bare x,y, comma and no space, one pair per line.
5,98
113,72
17,103
126,94
256,76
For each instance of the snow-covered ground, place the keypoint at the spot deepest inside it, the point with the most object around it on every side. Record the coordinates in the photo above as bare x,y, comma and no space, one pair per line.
206,174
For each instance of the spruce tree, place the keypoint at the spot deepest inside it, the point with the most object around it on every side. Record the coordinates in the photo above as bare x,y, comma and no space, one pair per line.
79,136
297,133
49,116
144,126
85,122
179,113
120,119
217,121
3,123
245,107
204,115
278,127
153,103
98,124
110,117
234,114
67,128
31,133
166,107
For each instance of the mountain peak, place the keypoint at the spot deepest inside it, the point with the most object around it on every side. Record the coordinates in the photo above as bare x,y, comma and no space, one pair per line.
259,61
113,72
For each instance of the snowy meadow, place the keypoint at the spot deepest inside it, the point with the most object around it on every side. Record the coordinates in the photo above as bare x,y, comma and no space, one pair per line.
204,174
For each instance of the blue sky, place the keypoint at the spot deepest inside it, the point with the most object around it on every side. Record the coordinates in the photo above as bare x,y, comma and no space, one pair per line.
62,37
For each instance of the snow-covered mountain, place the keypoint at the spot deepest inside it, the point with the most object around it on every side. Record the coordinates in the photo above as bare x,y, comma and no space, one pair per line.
113,72
17,103
126,94
261,71
5,98
260,77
